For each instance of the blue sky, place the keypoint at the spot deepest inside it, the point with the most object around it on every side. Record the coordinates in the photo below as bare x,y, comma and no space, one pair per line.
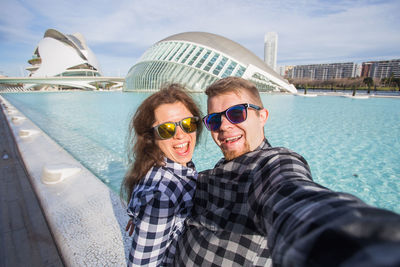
119,31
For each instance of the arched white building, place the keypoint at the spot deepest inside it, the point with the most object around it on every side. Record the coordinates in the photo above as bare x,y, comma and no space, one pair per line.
197,59
63,55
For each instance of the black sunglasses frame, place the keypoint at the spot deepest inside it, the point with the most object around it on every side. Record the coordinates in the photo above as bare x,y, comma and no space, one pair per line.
245,105
178,123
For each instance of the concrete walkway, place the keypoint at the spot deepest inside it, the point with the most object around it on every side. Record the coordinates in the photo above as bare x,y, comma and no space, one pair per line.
25,238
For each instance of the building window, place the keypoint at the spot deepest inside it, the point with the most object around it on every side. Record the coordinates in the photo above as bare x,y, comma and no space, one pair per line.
240,71
220,65
184,48
201,61
154,52
169,49
163,49
195,56
211,62
188,54
177,47
229,69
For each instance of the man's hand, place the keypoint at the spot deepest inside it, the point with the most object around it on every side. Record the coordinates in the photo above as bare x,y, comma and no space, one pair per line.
129,227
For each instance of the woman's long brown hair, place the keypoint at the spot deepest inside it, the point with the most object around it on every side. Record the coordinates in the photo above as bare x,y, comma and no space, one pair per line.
143,153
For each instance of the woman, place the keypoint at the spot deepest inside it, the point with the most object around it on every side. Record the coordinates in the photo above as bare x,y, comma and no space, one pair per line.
161,182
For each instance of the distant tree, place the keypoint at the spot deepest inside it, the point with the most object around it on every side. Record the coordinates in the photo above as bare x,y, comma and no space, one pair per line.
396,81
354,90
391,78
383,81
369,82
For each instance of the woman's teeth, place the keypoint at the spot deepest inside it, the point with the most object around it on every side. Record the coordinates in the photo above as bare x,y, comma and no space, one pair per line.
181,145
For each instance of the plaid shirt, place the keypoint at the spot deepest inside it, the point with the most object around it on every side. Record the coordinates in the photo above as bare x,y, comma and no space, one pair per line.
270,190
160,203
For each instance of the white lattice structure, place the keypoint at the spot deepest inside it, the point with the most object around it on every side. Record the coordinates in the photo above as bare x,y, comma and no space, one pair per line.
196,59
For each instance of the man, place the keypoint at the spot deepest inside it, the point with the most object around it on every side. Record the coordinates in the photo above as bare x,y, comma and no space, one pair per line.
259,205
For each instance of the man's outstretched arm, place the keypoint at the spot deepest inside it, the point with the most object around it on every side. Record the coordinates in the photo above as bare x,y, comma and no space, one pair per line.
310,225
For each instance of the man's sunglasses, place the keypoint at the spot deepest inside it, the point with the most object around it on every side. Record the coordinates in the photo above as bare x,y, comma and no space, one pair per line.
167,130
235,114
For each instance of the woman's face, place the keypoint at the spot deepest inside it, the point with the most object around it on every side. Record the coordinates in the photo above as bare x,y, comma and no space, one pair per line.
180,147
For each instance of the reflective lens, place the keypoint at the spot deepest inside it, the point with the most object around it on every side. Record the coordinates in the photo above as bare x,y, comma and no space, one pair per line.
168,129
235,114
189,125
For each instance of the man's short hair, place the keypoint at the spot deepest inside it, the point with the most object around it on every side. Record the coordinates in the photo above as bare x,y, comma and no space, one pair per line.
235,85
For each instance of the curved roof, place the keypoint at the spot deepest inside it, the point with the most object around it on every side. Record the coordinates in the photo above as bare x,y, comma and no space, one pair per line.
224,45
64,38
57,54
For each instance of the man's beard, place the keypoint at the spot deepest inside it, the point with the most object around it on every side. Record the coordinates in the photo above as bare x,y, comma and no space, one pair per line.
230,155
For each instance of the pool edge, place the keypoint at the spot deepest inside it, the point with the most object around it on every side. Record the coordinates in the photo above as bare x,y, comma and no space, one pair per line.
86,218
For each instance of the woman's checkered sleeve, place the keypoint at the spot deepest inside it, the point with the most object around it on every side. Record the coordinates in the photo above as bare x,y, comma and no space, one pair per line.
153,226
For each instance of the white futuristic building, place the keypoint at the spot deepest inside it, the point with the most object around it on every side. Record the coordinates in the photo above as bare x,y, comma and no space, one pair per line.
197,59
63,55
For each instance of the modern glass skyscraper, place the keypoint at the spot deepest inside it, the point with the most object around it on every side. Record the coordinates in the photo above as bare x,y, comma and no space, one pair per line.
271,49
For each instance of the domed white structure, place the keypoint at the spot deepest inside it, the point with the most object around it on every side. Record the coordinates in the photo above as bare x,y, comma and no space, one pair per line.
63,55
197,59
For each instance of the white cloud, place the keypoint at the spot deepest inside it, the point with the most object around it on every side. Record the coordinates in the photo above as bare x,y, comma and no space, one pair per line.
353,31
309,30
15,20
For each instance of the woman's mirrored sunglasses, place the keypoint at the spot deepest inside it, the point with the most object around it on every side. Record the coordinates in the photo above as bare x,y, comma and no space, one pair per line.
167,130
235,114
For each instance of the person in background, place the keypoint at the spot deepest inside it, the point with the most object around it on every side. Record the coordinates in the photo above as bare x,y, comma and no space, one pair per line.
259,205
161,179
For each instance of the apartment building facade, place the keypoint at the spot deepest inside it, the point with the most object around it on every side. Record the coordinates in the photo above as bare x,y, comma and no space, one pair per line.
381,69
374,69
323,71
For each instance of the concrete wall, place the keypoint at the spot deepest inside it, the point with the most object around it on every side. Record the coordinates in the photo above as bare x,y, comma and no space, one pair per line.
85,217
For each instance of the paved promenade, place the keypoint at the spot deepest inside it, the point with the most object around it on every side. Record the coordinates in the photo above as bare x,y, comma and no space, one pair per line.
25,239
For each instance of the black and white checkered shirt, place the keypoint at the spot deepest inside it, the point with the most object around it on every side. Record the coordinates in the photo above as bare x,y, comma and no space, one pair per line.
270,190
159,205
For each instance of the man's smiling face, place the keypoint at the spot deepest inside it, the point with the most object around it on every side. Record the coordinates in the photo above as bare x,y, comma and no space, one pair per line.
237,139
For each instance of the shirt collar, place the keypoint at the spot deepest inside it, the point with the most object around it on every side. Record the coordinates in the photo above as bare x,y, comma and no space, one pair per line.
189,170
264,144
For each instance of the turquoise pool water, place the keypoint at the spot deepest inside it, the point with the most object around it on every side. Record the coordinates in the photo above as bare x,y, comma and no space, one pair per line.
352,145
